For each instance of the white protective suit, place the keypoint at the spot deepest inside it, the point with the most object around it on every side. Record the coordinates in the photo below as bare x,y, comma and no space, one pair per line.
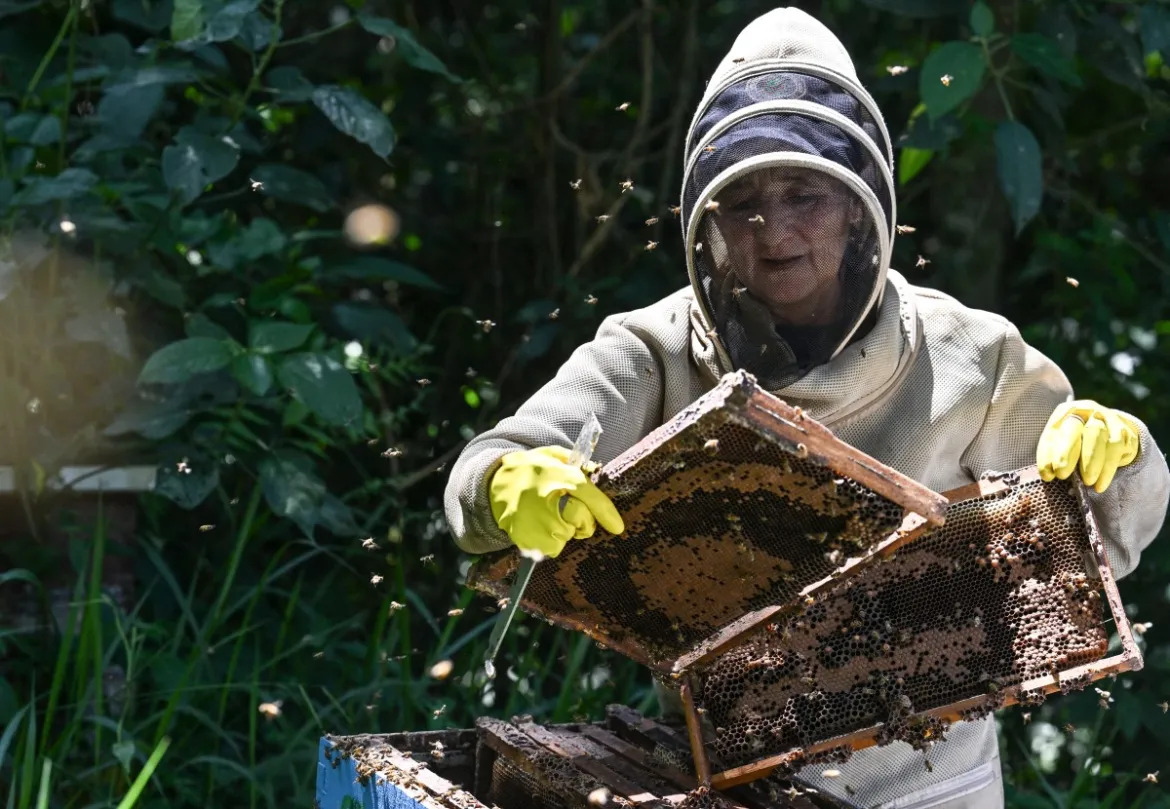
936,390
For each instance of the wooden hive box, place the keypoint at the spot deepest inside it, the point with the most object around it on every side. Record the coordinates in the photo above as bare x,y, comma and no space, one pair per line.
627,760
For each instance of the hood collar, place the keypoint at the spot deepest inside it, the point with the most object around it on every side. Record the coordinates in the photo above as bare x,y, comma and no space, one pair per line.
864,372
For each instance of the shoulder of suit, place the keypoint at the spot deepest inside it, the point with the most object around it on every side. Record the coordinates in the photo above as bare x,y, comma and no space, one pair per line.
943,314
668,314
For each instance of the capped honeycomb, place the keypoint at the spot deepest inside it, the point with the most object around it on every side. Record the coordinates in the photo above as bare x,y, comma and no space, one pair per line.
1005,603
738,503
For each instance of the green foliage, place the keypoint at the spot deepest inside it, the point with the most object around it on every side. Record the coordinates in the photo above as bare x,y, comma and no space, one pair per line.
300,390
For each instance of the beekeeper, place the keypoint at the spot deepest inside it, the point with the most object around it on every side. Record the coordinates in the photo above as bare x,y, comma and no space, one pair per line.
788,217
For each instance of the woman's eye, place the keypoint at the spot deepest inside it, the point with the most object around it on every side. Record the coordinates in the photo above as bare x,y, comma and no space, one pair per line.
805,200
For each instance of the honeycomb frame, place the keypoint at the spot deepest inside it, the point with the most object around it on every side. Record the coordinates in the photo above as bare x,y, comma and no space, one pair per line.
700,496
992,497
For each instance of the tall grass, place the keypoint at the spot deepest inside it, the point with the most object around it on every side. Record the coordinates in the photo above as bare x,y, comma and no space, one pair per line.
245,643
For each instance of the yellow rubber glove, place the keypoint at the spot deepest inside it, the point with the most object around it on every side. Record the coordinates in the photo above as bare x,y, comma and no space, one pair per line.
526,494
1098,439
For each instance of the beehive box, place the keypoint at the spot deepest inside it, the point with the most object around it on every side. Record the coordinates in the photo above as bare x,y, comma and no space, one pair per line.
1011,600
625,760
738,503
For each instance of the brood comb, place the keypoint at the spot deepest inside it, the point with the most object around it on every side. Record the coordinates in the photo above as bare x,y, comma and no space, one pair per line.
1009,601
737,503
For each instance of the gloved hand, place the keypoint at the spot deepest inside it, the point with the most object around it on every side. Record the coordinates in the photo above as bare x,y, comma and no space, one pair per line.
1083,433
526,494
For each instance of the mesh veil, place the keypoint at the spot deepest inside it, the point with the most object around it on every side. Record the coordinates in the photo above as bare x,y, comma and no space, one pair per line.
788,211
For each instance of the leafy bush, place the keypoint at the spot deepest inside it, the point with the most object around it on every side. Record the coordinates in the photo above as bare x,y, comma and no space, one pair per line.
303,388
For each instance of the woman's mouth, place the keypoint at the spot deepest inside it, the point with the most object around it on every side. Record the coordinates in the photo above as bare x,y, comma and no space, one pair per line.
779,264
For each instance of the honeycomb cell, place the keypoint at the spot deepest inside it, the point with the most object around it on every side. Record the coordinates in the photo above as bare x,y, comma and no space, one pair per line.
735,504
1006,591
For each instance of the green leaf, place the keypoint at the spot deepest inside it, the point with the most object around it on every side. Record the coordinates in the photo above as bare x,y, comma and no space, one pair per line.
196,161
290,84
374,324
291,489
180,360
293,185
414,53
1045,55
258,31
337,517
262,237
253,372
200,325
1020,170
273,336
919,8
373,268
226,23
357,117
982,19
31,127
964,63
186,477
323,384
150,15
911,161
1154,22
186,19
69,184
124,111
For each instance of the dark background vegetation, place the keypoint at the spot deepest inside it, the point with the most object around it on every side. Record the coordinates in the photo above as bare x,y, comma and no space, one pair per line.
205,154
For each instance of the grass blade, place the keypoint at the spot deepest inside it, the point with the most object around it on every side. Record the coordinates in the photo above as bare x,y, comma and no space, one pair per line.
148,769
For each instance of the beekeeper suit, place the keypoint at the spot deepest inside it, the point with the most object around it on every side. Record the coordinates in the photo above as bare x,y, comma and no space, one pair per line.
788,217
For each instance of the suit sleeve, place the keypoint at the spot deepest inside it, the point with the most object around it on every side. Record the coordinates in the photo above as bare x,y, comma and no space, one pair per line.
1028,387
615,376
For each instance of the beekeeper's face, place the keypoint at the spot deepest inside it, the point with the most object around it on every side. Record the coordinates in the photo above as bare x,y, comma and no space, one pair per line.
786,231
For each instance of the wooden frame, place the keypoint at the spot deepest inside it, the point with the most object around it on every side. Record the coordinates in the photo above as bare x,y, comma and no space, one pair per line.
1129,659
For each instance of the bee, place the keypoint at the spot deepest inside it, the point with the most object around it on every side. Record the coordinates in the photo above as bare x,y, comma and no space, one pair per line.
922,261
375,579
651,245
439,711
904,229
1074,283
652,221
422,383
946,79
454,613
575,185
698,247
486,325
627,185
205,528
737,60
395,607
369,544
757,219
554,314
896,70
591,300
712,206
429,559
622,107
709,149
1151,777
676,209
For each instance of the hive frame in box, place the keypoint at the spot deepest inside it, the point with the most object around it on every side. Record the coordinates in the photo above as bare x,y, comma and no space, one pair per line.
1078,676
738,406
